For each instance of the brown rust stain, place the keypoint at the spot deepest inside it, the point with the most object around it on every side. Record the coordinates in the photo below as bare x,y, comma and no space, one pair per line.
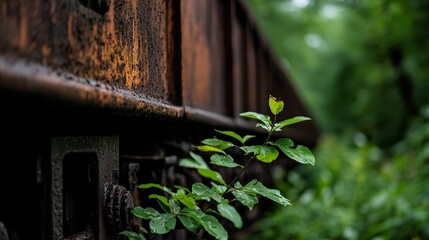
126,47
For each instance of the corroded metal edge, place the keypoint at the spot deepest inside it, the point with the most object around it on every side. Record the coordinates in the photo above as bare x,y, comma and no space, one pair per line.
30,78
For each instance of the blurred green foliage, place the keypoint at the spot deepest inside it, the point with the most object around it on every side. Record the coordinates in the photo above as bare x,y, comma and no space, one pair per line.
356,191
357,64
361,67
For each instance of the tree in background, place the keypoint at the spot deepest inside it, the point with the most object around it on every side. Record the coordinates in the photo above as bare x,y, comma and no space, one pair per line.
360,65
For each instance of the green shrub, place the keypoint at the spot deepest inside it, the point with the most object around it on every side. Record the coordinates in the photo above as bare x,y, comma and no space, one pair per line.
357,191
198,208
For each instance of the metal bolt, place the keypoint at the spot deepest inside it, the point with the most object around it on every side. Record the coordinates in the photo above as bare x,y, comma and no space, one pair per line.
118,203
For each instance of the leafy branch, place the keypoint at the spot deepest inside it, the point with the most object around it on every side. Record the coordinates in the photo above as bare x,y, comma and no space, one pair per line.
185,204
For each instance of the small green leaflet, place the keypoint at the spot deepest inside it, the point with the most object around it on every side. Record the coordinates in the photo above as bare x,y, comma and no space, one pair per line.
196,162
267,154
264,154
160,198
195,214
247,199
224,161
162,224
209,223
290,121
207,148
261,117
247,137
186,200
219,189
155,185
143,230
182,188
264,126
129,235
272,194
145,213
276,106
282,142
175,206
217,143
213,227
190,224
230,213
213,175
202,190
232,134
300,154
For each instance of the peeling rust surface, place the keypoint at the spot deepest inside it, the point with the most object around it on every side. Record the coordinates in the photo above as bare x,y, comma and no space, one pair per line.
125,47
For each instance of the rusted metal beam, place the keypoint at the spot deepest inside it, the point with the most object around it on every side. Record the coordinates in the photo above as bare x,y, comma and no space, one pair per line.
25,77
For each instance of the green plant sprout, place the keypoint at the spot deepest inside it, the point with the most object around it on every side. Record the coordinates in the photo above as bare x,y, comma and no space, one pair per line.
185,205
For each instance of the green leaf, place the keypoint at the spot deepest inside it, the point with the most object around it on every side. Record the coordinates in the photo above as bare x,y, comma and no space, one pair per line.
213,175
267,154
213,227
261,117
272,194
232,134
276,106
282,142
264,126
251,149
247,199
145,213
230,213
207,148
198,159
300,154
217,143
162,224
155,185
196,162
182,188
219,189
224,161
195,214
189,163
129,235
264,154
175,206
160,198
202,190
143,230
186,200
190,224
291,121
247,137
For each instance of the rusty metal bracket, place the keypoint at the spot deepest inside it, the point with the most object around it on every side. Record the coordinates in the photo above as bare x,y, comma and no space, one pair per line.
88,158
